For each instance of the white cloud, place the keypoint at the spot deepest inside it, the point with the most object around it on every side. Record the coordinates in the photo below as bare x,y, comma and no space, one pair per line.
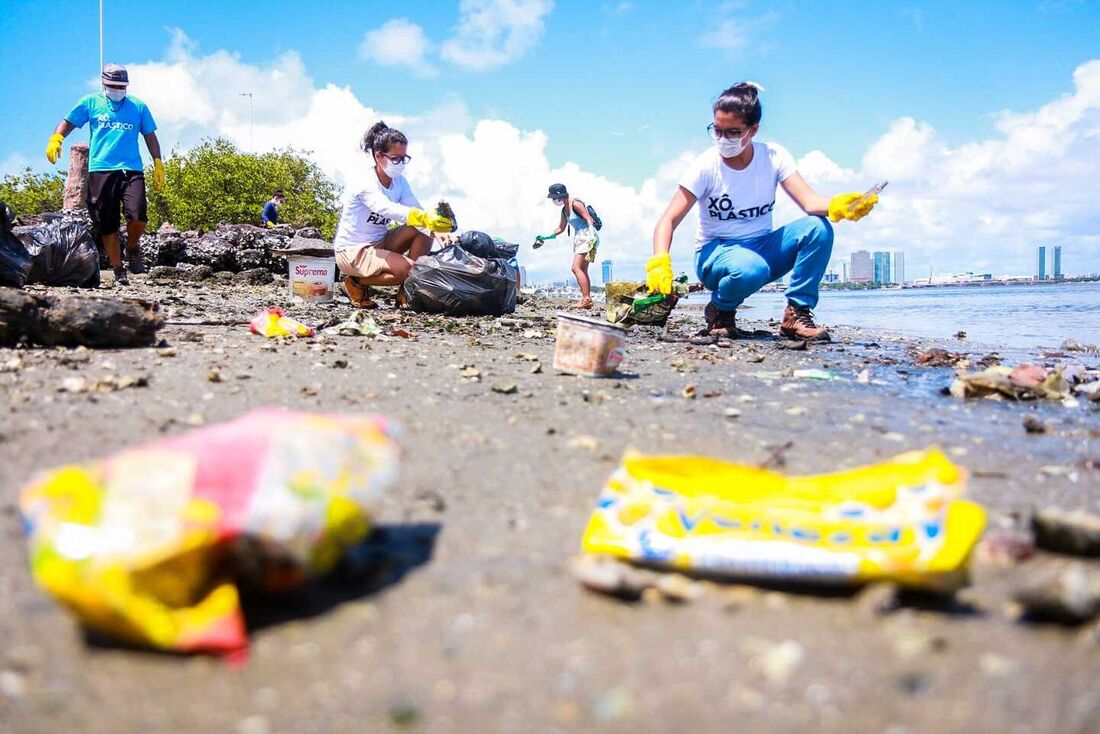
398,42
1033,180
16,163
492,33
738,32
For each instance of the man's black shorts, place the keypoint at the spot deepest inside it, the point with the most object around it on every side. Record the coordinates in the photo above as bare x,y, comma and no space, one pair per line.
110,190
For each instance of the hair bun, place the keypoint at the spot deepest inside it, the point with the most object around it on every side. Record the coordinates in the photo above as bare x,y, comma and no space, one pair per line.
755,85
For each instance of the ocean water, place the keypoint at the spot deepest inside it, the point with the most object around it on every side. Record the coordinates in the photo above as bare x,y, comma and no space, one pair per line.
1021,317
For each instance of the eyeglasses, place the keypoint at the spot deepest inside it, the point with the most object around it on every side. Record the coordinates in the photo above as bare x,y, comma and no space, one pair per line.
398,159
729,133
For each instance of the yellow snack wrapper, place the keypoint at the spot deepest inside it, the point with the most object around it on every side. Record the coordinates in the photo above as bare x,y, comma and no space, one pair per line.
147,545
902,520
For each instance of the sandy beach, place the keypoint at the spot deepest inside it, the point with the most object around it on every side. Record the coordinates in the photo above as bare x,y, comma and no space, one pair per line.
471,621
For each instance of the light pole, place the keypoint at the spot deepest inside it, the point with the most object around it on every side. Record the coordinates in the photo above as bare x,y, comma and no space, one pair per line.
249,95
101,36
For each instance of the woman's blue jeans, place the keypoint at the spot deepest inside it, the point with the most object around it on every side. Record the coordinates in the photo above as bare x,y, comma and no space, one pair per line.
732,270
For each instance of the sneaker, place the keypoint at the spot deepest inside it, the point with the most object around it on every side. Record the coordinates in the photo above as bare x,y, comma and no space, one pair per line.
798,323
120,277
136,263
358,294
719,323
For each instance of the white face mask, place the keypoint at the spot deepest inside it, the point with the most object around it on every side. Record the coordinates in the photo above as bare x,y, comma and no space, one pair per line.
730,148
115,95
393,170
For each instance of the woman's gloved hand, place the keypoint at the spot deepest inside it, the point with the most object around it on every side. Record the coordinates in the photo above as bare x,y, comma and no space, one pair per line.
840,207
658,274
429,220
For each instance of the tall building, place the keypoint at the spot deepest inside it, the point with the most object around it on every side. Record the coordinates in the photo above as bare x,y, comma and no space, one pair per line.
1042,263
861,266
606,267
881,267
1057,262
899,267
844,272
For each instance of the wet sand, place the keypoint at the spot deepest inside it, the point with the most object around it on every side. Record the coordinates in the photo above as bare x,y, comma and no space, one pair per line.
476,624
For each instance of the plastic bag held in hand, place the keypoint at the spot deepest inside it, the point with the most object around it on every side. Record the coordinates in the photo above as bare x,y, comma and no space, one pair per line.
658,273
272,323
148,545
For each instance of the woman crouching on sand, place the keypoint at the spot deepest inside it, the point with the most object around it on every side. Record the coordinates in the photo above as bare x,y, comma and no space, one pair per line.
369,251
736,250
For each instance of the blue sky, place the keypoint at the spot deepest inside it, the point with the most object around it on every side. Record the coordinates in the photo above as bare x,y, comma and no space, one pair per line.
618,88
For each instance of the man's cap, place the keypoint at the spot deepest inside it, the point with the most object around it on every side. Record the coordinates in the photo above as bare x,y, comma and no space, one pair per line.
557,191
115,75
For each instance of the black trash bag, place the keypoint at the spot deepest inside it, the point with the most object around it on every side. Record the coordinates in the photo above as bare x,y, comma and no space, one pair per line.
455,283
63,253
480,244
15,261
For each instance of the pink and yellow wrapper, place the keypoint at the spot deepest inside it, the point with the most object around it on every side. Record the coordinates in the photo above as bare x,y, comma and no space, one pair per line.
147,546
902,520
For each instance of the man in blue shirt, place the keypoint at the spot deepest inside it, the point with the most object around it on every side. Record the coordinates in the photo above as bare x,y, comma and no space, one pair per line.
270,215
115,173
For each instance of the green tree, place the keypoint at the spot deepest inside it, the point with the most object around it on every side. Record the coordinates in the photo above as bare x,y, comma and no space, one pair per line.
33,193
215,182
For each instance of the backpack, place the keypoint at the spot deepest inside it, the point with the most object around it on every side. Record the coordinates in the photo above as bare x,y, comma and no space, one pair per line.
591,212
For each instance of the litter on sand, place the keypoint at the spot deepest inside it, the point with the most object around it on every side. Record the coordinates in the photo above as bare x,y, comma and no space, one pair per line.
1026,382
272,323
902,520
358,323
148,546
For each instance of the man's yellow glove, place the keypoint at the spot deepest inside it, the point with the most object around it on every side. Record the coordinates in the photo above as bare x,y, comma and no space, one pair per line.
658,274
839,206
270,224
53,148
429,220
158,174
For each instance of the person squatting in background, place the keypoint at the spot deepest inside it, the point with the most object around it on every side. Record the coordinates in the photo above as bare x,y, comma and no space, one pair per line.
270,215
575,214
736,250
379,235
116,176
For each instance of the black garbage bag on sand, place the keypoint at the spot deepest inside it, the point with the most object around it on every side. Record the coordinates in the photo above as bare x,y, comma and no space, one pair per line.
63,253
482,245
455,283
15,261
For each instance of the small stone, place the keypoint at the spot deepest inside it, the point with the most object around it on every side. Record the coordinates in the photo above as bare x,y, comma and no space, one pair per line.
609,575
864,377
731,413
214,375
796,410
689,392
1034,425
754,358
404,711
1074,532
996,666
167,352
1003,548
12,684
912,683
505,388
675,587
536,368
583,441
878,599
911,645
469,372
340,364
778,663
74,385
1059,590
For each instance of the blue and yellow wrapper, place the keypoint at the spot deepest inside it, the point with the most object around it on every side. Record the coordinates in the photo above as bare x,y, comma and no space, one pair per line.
903,520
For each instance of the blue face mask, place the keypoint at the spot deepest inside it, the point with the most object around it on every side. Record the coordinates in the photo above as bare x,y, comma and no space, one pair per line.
115,95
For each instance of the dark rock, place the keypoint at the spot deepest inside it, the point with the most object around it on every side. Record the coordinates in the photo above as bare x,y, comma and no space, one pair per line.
251,258
164,273
197,273
309,233
1076,533
254,276
1034,425
212,251
307,247
224,276
78,320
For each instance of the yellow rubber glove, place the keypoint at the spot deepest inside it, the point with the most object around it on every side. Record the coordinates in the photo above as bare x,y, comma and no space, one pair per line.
270,224
838,206
53,148
429,220
658,274
158,174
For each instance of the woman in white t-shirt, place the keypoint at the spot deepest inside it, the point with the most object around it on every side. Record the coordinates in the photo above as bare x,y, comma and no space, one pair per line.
736,250
369,251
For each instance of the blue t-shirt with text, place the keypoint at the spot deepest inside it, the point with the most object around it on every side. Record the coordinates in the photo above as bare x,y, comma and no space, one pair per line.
115,129
270,213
